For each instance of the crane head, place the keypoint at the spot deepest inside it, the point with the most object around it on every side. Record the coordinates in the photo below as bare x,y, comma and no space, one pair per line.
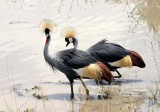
68,41
71,40
69,33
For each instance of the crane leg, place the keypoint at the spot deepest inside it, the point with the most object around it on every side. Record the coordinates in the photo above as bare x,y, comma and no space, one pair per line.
87,91
72,93
119,75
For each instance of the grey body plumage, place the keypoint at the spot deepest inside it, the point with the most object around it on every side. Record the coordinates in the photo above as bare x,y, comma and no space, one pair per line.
108,53
67,61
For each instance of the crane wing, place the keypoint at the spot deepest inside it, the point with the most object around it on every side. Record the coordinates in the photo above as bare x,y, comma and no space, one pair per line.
108,52
75,58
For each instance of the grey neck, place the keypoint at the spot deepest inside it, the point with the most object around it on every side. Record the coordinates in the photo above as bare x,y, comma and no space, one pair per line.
75,43
46,51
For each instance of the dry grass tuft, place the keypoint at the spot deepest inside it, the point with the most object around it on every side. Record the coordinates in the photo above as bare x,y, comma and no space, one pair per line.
111,100
154,93
39,93
29,110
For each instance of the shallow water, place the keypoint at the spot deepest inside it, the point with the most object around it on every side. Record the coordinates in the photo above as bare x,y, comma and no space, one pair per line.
128,23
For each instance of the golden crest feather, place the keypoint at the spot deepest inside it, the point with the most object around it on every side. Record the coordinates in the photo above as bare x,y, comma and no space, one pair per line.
47,23
69,32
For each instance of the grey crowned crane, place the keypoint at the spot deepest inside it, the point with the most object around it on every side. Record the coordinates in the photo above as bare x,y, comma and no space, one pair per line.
112,55
75,64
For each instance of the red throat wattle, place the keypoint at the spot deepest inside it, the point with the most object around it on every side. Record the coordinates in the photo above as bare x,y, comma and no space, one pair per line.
47,40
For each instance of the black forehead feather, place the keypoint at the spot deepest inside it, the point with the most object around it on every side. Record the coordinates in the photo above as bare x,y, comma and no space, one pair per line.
66,39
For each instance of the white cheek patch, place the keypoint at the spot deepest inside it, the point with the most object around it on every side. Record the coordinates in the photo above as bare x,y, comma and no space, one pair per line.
70,40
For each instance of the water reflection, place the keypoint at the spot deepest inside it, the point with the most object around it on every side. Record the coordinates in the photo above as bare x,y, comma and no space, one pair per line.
115,103
147,12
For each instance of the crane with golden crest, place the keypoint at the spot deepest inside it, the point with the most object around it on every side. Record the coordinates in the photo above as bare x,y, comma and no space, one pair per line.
111,54
74,63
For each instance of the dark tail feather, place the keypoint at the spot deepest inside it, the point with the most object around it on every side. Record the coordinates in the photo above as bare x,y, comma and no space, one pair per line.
107,75
136,59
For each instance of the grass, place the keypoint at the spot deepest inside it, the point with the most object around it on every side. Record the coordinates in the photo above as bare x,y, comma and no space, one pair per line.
117,101
111,101
38,94
154,97
147,13
154,93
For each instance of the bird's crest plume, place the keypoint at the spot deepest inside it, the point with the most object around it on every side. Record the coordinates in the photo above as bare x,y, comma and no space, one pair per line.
47,24
69,32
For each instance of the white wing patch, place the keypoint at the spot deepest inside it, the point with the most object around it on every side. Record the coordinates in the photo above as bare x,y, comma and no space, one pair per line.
80,71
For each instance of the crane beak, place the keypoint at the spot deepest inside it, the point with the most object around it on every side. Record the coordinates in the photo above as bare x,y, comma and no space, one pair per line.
67,44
